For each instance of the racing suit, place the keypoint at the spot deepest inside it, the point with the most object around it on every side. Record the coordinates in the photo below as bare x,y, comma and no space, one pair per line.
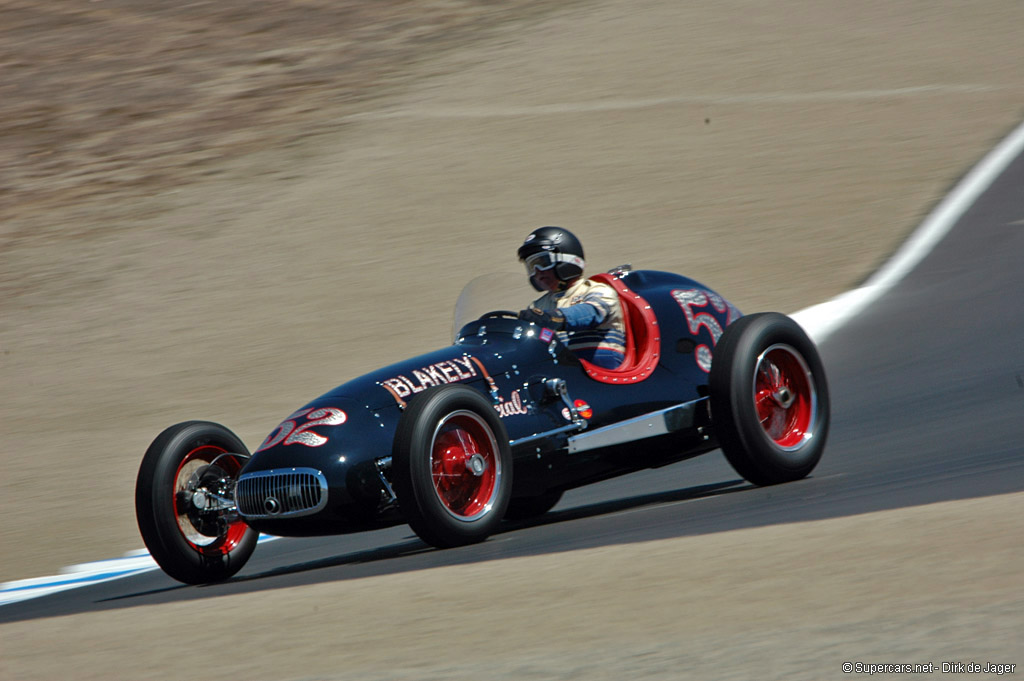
593,328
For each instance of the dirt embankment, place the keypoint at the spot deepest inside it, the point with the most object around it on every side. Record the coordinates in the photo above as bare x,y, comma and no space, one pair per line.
112,99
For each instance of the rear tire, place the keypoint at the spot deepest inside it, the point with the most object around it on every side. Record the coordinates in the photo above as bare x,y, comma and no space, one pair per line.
193,545
769,399
452,466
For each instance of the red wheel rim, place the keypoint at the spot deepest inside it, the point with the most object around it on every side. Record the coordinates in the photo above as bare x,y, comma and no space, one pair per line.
190,467
464,465
784,397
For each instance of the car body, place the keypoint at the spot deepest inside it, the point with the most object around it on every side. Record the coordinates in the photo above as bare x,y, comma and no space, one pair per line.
497,424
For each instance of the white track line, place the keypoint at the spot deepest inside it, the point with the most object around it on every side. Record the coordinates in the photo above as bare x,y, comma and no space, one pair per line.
85,574
820,321
601,105
823,319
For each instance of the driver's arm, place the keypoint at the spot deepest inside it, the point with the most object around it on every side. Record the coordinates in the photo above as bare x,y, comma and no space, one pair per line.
592,311
585,315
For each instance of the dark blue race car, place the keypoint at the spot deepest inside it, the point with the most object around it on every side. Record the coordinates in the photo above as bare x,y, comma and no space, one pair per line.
497,425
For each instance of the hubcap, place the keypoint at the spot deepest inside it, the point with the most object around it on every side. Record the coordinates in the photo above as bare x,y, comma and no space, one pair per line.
208,531
784,397
464,465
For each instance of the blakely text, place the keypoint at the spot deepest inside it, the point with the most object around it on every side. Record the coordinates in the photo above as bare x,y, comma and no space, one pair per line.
448,371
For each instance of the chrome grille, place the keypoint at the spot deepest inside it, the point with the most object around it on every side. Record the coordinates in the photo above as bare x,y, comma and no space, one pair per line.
281,493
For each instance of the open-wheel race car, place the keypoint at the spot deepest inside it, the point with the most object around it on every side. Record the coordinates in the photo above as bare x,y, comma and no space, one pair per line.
497,425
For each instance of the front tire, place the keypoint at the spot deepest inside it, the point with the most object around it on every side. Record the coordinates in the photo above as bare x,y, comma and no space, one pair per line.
452,466
188,533
769,399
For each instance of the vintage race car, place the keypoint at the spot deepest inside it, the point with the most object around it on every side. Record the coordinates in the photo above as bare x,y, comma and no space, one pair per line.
497,425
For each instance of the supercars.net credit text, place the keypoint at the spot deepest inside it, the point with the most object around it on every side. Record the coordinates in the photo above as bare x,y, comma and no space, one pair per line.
929,668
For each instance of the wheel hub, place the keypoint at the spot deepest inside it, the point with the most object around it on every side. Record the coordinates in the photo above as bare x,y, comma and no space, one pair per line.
464,468
200,499
784,397
476,465
204,508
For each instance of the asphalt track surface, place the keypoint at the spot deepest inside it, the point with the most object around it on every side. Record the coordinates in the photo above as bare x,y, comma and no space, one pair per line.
927,388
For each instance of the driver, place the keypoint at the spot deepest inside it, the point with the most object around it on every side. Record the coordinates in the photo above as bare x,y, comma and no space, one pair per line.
586,314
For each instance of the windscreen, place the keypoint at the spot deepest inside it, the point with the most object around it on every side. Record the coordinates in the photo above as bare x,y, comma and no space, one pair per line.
490,292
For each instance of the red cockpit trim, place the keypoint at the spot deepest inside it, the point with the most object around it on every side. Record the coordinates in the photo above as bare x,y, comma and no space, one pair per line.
643,338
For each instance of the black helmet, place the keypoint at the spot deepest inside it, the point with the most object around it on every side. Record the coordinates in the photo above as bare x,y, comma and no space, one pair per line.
552,247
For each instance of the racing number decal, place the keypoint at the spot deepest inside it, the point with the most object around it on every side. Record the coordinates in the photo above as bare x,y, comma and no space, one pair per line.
689,299
291,433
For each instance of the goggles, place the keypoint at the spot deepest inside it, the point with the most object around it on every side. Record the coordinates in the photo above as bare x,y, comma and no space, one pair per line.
545,260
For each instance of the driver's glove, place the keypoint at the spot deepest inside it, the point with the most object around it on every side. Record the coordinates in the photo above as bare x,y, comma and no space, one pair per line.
552,320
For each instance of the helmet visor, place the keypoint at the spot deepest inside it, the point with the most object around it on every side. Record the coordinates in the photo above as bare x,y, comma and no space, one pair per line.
543,260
